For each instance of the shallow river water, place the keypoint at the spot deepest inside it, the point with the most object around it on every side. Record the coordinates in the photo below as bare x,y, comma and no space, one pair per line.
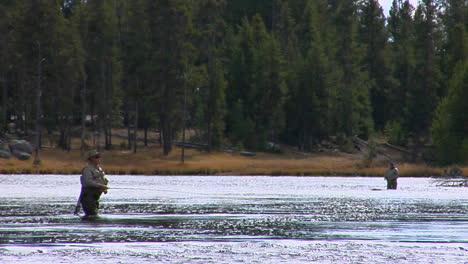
248,219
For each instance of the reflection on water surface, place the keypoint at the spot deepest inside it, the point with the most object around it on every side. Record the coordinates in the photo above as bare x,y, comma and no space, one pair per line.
226,219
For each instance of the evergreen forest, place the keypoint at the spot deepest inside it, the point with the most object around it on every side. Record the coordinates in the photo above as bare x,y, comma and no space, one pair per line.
248,74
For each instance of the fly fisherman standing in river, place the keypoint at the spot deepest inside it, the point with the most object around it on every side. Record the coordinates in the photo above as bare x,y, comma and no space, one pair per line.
391,175
93,184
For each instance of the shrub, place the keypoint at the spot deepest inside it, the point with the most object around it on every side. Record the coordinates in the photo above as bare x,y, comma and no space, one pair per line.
395,133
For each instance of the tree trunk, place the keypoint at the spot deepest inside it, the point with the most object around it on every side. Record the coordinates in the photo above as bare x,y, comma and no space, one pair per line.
109,106
166,130
166,134
129,132
69,134
146,135
135,129
210,100
83,118
38,106
97,134
182,157
5,101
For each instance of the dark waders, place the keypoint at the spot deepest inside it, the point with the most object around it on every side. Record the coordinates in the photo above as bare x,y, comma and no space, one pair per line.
392,184
89,200
78,204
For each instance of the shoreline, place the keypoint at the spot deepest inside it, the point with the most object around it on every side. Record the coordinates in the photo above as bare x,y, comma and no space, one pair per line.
152,162
226,175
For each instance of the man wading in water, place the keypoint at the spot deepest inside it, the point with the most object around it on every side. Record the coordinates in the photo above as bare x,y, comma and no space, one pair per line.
93,184
391,175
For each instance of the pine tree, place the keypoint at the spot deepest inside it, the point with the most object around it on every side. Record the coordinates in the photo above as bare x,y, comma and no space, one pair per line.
455,23
41,53
449,129
401,28
74,72
77,15
351,106
309,101
422,95
25,61
258,81
104,66
136,82
171,28
212,106
242,61
237,10
6,49
373,36
216,111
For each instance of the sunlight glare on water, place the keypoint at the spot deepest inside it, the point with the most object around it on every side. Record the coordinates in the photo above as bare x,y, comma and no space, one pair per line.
228,219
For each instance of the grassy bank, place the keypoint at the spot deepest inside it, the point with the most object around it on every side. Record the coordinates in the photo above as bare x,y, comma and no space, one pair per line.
152,162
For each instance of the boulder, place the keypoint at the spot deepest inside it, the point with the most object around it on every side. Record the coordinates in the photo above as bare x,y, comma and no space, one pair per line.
4,145
5,154
4,150
21,145
21,155
21,149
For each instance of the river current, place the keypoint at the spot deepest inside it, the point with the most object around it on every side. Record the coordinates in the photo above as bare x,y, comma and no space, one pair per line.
234,219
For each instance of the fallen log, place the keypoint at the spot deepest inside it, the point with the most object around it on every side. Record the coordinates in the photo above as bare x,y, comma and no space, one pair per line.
190,145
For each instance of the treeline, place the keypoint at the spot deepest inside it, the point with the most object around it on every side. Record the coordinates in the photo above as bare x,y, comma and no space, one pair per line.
239,72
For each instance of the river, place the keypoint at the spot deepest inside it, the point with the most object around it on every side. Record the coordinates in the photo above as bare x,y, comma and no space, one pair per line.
234,219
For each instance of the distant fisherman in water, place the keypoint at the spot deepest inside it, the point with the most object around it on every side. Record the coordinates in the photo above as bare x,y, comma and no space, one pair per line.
391,175
93,184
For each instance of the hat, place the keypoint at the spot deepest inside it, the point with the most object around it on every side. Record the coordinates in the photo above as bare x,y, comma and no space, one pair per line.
93,153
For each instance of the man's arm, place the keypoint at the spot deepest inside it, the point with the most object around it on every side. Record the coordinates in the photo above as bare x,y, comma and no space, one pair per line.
87,179
386,174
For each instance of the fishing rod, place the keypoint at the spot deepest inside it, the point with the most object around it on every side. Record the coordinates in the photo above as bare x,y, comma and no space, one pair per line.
128,188
146,189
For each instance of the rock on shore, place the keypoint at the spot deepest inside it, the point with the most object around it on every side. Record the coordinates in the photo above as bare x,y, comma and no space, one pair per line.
20,149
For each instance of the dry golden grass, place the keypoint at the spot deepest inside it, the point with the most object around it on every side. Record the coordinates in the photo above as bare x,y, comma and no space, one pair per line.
151,161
